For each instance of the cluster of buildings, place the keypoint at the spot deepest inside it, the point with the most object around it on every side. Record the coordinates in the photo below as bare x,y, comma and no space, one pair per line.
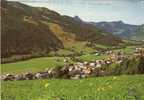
69,71
139,52
76,70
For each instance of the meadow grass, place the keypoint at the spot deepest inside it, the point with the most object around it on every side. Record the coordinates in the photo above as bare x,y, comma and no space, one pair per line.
74,48
40,64
79,46
102,46
127,50
32,65
98,88
93,57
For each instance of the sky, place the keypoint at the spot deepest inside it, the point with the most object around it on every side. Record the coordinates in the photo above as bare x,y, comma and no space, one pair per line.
128,11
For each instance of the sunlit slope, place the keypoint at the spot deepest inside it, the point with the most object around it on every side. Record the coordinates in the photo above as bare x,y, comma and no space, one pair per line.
37,31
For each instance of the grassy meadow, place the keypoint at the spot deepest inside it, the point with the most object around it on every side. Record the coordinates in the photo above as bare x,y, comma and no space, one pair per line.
92,57
32,65
99,88
127,50
40,64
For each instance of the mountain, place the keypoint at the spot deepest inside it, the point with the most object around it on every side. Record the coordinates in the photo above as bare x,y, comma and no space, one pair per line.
121,29
77,18
37,31
22,34
139,34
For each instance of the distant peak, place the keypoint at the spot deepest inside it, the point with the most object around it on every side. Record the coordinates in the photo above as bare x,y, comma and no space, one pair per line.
120,21
77,18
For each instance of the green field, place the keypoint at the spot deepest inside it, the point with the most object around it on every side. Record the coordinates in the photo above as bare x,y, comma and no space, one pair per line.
92,57
127,50
40,64
33,65
99,88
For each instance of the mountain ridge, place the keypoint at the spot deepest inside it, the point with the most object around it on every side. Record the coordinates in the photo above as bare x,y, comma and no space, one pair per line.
119,28
38,30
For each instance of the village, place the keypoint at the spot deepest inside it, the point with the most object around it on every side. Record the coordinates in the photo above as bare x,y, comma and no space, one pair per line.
78,70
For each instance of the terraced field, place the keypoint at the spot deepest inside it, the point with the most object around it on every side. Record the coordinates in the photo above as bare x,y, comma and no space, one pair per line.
99,88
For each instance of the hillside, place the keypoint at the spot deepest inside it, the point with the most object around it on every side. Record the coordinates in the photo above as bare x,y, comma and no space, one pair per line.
36,31
139,34
122,29
22,34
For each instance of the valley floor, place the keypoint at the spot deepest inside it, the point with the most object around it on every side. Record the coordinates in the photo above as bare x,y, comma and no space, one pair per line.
123,87
40,64
100,88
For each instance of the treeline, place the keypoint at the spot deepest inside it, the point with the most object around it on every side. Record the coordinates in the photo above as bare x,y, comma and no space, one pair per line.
130,65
